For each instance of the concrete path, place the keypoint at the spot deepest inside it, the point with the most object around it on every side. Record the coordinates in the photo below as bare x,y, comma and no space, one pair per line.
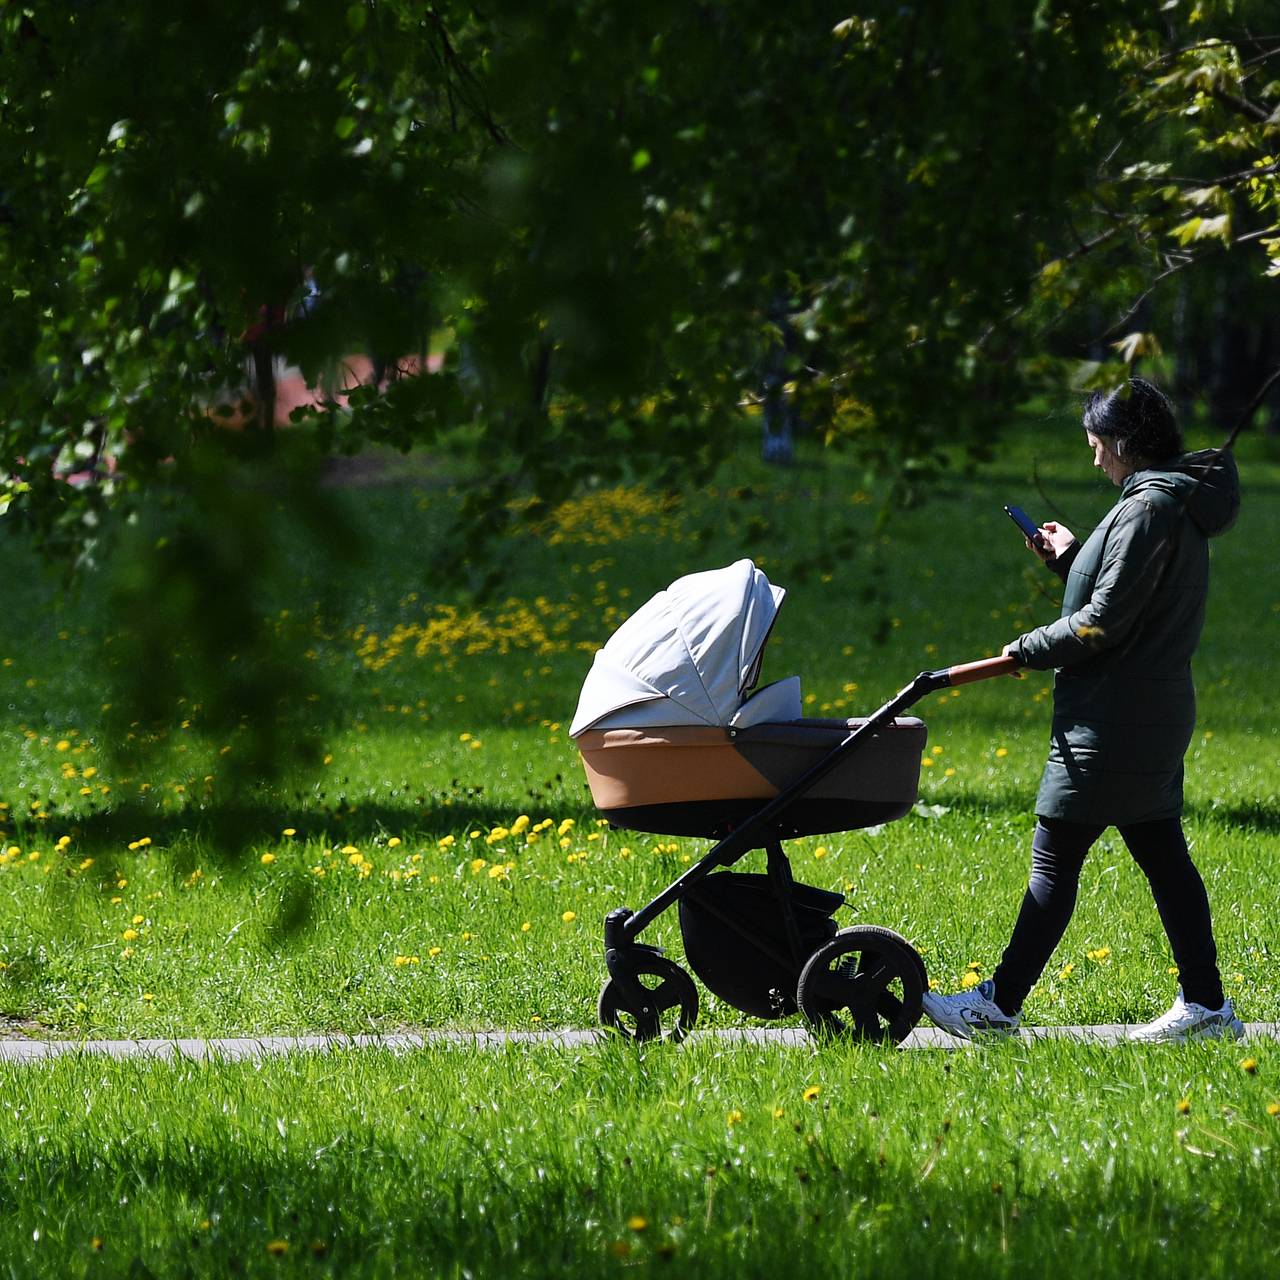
30,1051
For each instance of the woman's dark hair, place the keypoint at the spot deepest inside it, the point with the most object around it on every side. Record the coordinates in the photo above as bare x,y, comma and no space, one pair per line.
1136,419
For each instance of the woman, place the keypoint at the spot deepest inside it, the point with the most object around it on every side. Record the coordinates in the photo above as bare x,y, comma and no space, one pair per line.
1123,711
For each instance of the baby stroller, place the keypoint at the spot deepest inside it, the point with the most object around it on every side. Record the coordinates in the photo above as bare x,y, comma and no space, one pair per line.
676,740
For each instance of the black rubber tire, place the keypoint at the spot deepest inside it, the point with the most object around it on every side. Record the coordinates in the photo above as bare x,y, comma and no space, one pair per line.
867,983
672,1009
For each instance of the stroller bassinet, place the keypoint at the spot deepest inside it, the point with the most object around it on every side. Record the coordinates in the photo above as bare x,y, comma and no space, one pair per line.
675,741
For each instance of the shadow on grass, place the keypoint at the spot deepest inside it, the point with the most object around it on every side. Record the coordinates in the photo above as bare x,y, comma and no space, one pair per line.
385,1205
1256,816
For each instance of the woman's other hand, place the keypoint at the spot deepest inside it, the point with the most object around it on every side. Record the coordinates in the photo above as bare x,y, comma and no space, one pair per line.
1056,538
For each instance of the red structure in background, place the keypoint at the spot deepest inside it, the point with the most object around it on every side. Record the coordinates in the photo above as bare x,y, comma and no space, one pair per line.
292,391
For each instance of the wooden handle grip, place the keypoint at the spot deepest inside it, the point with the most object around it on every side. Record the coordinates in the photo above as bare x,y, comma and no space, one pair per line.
984,669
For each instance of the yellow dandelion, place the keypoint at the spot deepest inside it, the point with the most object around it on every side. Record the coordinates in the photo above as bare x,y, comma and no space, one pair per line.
1183,1106
433,952
277,1248
290,832
1273,1108
1001,752
811,1093
638,1222
267,859
820,851
148,997
778,1113
394,842
734,1117
568,916
348,849
970,980
130,935
520,824
1249,1065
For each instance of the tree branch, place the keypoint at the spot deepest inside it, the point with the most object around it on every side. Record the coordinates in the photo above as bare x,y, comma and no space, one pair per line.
466,81
1241,105
1247,416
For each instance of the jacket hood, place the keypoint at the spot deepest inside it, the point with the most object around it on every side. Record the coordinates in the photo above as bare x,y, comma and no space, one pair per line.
1206,482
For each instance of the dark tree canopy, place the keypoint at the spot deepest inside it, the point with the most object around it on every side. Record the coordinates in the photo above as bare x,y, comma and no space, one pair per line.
601,214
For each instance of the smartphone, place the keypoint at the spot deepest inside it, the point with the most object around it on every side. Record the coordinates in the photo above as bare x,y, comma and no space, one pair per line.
1026,524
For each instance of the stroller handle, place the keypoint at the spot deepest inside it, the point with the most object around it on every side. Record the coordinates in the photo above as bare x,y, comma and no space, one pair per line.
983,669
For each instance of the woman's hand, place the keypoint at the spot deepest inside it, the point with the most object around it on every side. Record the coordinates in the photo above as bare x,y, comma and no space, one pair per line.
1056,538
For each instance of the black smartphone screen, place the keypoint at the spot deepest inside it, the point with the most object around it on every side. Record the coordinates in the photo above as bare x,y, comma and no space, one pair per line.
1025,523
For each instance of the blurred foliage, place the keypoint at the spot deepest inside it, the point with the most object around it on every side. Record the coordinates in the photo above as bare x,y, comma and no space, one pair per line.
1175,244
599,211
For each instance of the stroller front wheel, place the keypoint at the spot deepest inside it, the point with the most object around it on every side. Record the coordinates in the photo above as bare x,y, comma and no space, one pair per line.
662,1004
867,982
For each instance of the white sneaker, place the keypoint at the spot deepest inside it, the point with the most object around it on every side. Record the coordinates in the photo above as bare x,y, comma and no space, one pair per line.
971,1013
1190,1021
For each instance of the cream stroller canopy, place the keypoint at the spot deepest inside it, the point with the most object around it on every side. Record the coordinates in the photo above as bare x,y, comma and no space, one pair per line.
690,656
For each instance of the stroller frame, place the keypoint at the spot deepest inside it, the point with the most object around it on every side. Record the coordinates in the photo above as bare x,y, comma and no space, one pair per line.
849,974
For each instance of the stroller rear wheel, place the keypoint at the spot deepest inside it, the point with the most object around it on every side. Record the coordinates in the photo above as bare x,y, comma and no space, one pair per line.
663,1003
867,982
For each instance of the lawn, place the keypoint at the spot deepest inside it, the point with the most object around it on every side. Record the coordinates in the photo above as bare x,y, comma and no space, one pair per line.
443,868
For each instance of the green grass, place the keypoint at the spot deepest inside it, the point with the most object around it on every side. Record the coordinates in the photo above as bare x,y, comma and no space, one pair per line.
424,750
532,1161
1046,1159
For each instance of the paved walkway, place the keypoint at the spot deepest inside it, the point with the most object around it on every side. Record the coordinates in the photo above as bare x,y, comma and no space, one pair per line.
23,1051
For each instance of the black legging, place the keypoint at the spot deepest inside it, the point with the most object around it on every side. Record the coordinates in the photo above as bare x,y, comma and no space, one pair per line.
1057,853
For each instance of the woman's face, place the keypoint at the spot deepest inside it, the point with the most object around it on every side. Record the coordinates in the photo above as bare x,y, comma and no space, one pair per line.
1115,468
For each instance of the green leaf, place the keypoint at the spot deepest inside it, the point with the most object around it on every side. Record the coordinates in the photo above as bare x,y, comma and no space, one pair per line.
1135,346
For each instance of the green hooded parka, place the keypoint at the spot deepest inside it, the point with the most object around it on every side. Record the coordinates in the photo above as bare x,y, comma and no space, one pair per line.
1123,700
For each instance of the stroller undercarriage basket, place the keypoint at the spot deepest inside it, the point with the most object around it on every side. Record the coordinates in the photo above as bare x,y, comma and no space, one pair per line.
737,942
